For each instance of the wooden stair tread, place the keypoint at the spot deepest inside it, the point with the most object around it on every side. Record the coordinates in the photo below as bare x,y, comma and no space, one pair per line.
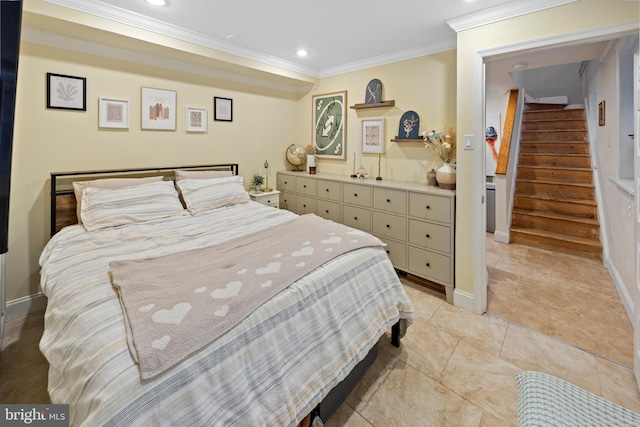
559,236
544,181
551,120
556,154
556,199
564,168
550,215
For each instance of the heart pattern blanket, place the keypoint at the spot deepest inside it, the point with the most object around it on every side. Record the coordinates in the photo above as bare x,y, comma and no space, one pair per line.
176,304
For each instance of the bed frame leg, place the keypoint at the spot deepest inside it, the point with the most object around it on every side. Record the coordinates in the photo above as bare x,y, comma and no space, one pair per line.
395,335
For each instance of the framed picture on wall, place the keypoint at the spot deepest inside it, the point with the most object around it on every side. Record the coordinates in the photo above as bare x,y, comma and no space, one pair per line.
222,109
329,116
158,109
373,136
113,113
196,119
66,92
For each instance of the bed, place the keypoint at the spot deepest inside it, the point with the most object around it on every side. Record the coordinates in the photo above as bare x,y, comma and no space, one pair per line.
297,353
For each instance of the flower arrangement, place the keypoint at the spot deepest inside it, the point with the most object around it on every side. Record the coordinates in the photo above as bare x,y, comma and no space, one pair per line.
443,146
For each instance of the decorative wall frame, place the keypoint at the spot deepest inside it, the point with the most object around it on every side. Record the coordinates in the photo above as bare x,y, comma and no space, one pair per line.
196,119
158,109
601,113
113,113
222,109
66,92
373,135
329,118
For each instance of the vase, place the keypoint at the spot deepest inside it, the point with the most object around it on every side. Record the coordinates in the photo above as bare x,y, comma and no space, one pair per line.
258,188
311,162
446,176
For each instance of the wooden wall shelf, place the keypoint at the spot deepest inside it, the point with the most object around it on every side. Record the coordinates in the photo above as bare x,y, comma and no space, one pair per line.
381,104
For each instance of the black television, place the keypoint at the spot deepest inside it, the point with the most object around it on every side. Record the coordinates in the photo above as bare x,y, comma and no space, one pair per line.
10,23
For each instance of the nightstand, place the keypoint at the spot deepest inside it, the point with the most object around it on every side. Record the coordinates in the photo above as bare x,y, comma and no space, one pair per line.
271,198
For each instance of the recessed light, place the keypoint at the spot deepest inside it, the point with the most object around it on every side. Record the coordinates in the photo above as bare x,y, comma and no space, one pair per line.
520,65
302,52
157,2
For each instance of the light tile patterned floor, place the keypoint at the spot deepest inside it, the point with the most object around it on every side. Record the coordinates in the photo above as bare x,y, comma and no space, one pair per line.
455,368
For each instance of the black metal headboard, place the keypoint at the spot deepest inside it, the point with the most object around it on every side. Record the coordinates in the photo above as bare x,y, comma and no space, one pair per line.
63,201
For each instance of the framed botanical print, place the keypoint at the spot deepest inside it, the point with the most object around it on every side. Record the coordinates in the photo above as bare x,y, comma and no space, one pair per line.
329,116
158,109
373,136
66,92
113,113
196,119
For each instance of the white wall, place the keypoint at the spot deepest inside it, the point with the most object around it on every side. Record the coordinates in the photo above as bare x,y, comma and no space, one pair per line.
616,203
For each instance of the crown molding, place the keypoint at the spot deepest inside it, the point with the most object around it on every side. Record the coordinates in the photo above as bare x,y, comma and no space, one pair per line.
388,59
59,41
142,22
503,12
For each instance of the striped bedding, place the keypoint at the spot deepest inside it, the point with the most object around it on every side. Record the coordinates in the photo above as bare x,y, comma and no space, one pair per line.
271,369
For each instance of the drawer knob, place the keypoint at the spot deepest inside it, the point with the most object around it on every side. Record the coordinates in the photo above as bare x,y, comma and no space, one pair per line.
388,251
327,190
428,265
268,201
388,200
285,183
326,211
355,195
388,226
428,236
304,186
428,207
304,206
355,218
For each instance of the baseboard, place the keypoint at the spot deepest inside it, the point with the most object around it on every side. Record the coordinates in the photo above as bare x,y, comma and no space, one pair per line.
626,299
501,236
26,305
463,300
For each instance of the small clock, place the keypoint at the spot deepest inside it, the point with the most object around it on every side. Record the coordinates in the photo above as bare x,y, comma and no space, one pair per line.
374,92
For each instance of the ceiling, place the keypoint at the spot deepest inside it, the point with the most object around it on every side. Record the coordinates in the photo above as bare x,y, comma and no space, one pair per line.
336,33
340,36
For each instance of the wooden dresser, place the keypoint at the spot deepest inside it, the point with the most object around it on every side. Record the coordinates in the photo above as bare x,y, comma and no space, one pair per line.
416,221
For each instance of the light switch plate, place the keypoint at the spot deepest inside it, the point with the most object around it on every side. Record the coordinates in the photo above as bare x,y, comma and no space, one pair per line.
468,142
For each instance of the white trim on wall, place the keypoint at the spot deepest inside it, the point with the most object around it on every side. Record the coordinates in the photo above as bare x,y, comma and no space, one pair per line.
26,305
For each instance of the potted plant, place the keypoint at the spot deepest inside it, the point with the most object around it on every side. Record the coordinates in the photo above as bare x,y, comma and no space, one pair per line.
257,181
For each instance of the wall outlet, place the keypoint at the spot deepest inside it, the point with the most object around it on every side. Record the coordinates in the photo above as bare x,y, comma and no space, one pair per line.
468,142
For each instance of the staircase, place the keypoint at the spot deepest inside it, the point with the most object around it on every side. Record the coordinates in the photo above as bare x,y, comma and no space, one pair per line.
554,202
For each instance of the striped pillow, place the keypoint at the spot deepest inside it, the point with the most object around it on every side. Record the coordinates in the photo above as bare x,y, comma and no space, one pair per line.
102,208
201,195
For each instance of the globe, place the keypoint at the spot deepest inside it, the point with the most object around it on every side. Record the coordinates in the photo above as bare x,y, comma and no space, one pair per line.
296,156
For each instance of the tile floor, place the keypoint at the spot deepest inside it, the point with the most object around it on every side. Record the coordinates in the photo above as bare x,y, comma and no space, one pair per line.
454,368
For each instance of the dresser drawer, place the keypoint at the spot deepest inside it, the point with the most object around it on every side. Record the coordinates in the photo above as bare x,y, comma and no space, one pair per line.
356,194
430,235
306,186
286,183
356,217
328,210
272,200
305,205
388,225
397,253
329,190
388,200
288,201
431,207
430,265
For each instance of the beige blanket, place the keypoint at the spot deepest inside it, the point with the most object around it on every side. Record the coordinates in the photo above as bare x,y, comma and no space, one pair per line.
177,304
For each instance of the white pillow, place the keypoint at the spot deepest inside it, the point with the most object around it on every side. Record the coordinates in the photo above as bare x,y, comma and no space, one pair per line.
186,174
201,195
102,208
79,186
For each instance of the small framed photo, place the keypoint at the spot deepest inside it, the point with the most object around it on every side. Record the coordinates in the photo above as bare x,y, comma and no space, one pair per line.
66,92
158,109
373,136
222,109
113,113
196,119
601,113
